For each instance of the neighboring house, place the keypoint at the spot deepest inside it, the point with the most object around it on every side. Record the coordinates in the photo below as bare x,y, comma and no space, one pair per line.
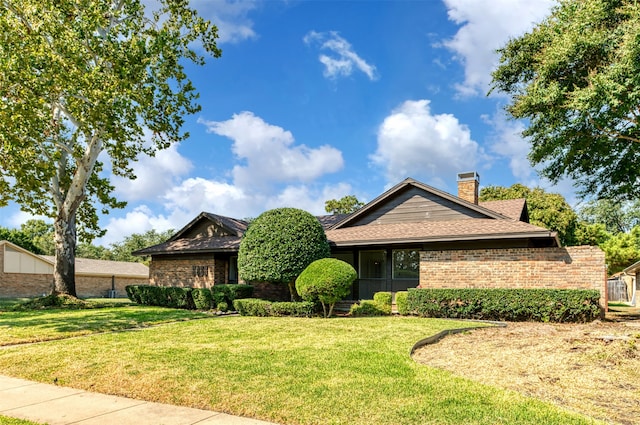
631,276
25,274
412,235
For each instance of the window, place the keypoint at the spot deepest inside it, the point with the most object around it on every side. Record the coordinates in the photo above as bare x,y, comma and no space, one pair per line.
233,269
373,264
406,264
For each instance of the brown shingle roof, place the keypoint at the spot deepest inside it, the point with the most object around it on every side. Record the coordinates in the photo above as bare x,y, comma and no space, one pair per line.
184,246
512,208
90,267
455,230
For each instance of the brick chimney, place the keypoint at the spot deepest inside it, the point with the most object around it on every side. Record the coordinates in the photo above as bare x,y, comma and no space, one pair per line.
468,186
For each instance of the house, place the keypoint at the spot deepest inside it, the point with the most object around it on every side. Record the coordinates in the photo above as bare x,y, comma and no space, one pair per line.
25,274
631,276
412,235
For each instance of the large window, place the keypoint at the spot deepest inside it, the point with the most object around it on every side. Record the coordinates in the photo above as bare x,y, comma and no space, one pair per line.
406,264
373,264
233,269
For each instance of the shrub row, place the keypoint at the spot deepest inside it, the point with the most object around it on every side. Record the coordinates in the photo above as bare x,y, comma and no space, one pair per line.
263,308
220,297
516,305
163,296
379,306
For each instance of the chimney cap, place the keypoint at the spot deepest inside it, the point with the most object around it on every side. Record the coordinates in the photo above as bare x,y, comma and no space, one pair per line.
471,175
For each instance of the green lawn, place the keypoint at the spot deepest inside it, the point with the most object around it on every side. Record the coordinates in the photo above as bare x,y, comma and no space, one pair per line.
18,327
286,370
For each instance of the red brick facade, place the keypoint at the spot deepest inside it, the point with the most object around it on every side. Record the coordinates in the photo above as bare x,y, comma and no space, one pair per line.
581,267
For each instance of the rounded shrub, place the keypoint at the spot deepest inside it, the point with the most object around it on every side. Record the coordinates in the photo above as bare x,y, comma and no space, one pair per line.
279,244
327,280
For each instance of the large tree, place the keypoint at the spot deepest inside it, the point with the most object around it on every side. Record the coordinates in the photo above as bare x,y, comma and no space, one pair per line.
279,244
83,82
616,216
576,79
345,205
549,210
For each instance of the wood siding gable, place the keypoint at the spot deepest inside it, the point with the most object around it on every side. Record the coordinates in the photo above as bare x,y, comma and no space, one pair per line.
411,202
205,228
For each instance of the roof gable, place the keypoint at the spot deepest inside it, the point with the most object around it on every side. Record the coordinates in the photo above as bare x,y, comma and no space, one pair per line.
207,225
411,201
515,209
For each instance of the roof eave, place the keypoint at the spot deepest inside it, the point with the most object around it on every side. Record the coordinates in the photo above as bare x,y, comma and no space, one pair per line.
449,238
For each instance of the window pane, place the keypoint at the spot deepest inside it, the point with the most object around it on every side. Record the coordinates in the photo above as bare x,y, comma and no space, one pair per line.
406,264
372,264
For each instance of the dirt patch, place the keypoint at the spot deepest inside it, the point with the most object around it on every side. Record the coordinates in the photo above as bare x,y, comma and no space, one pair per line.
591,368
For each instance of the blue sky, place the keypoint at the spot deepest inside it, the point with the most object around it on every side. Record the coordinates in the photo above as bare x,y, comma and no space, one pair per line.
314,100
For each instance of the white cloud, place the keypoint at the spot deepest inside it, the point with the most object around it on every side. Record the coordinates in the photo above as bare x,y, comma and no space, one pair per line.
140,220
341,59
506,141
487,26
154,175
270,155
412,142
308,198
231,18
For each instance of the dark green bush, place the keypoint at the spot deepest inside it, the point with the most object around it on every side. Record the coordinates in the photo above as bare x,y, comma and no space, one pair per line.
228,293
541,305
223,306
263,308
163,296
133,293
202,298
401,303
297,309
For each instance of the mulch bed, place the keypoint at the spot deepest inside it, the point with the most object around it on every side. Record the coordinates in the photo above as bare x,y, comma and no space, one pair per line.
591,368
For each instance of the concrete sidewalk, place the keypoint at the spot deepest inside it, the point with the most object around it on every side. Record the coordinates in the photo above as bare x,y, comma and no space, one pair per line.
53,405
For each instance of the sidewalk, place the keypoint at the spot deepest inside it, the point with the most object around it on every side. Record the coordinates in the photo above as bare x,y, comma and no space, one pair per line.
53,405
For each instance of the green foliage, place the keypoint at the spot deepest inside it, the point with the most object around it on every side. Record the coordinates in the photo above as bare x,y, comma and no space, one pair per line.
19,238
616,216
548,210
575,79
121,251
622,250
264,308
41,235
228,293
80,81
327,280
222,306
162,296
345,205
202,298
402,303
279,244
537,305
379,306
591,234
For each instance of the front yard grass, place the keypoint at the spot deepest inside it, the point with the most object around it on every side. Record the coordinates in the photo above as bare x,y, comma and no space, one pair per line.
285,370
17,327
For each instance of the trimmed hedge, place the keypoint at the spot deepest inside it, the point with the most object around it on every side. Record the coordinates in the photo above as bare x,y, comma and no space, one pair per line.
515,305
379,306
401,303
263,308
219,296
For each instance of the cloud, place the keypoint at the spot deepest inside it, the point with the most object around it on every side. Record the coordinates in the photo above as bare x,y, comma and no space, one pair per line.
140,220
412,142
154,175
506,141
231,18
487,26
269,153
341,59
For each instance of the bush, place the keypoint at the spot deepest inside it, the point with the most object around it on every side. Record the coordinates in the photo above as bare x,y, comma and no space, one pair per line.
279,244
263,308
202,298
401,303
368,308
327,280
163,296
540,305
383,299
228,293
223,306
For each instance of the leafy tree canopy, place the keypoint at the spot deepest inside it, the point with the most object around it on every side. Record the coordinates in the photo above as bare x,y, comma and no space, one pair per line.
83,79
345,205
548,210
576,79
616,216
121,251
279,244
622,250
19,238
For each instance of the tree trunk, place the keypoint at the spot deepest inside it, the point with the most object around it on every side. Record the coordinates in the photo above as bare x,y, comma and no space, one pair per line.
64,276
292,290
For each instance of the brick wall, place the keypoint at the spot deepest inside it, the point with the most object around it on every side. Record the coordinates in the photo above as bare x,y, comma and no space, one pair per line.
198,271
579,267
